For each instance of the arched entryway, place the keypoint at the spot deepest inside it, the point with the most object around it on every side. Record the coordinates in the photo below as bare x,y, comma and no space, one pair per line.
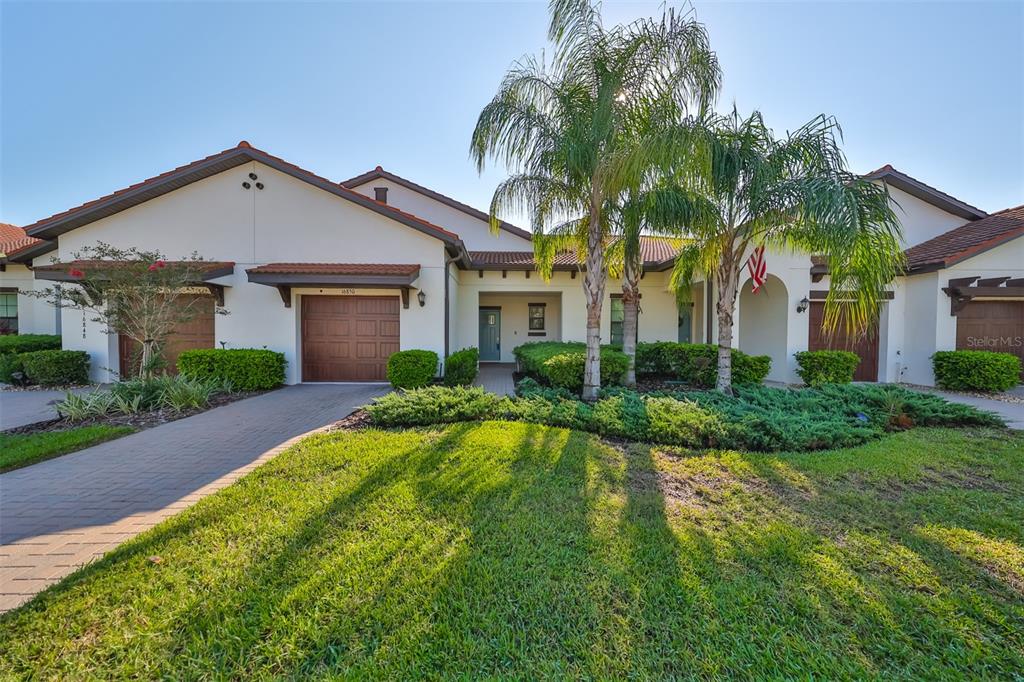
763,323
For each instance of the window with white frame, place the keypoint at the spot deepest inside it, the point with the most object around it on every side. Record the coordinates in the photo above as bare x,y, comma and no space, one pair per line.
8,312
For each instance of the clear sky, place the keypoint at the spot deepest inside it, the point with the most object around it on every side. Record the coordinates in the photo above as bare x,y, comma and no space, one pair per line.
97,96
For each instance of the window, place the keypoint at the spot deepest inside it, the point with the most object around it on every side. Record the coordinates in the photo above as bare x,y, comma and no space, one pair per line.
618,314
8,312
537,311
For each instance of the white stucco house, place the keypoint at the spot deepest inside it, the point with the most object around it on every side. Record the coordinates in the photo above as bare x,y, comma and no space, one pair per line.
339,275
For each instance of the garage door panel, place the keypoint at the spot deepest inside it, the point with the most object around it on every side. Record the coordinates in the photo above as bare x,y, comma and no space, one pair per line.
992,325
348,338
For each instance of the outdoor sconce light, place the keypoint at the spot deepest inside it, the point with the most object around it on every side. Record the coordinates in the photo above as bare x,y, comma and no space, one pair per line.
422,298
801,307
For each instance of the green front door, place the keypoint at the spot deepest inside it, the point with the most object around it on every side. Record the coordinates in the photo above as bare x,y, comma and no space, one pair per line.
490,334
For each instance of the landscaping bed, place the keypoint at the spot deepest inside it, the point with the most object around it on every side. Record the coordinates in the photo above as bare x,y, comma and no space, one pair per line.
536,552
756,418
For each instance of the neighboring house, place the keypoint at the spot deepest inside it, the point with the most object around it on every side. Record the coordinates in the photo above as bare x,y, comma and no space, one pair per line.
340,275
23,314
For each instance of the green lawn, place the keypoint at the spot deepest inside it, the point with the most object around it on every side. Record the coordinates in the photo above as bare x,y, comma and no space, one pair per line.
20,450
511,549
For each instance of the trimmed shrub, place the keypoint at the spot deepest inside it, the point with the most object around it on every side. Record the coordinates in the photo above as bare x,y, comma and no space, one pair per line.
562,364
461,367
433,405
697,363
10,364
56,367
976,370
245,369
27,343
412,368
654,359
819,367
552,410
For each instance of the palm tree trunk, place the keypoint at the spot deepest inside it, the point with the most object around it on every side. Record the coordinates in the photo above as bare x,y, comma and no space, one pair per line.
593,290
630,315
727,284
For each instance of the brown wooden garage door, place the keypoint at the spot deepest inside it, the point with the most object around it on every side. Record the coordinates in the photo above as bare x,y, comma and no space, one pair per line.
864,346
992,325
196,333
348,338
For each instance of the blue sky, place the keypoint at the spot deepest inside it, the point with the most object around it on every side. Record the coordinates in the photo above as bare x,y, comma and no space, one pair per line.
97,96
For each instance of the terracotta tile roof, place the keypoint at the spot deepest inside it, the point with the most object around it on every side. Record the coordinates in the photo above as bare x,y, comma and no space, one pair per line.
210,268
925,192
383,269
14,239
967,240
653,250
379,173
211,165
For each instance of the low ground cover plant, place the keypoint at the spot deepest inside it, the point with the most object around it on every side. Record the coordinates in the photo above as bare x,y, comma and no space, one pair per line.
976,370
756,418
246,369
561,364
460,369
697,363
817,367
412,368
174,393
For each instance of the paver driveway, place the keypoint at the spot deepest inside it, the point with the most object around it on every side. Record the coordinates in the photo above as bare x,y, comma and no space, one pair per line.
18,408
61,513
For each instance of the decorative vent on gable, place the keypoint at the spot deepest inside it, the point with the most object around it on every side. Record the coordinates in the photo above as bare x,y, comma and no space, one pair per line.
381,194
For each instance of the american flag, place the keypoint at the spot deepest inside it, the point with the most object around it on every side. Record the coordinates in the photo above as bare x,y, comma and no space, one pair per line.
758,268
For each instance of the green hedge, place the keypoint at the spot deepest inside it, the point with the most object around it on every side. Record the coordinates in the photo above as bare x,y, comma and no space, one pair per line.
10,364
976,370
562,364
56,367
412,368
697,363
461,367
819,367
245,369
26,343
757,418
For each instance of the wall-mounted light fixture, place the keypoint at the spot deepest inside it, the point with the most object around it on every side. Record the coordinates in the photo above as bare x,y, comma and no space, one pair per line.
801,307
422,298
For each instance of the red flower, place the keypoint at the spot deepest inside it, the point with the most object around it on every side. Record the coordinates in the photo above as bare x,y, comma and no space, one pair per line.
157,265
75,272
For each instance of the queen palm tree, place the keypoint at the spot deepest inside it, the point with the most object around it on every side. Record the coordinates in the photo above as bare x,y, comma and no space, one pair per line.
569,133
790,193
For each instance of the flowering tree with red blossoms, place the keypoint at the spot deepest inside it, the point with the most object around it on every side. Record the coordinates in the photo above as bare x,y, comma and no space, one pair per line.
140,294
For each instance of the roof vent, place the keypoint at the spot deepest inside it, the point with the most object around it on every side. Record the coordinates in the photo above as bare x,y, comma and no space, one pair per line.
381,194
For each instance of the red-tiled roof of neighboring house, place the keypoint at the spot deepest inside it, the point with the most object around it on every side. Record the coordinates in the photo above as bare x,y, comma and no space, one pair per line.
926,192
967,240
206,167
654,251
379,173
13,239
383,269
208,269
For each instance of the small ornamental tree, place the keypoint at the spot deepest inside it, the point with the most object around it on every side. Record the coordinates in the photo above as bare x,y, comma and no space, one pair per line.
137,293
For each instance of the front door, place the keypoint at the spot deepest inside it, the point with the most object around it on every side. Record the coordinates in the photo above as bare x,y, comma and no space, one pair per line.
866,347
685,323
490,334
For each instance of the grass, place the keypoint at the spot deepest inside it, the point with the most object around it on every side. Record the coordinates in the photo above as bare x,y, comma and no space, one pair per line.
19,450
518,550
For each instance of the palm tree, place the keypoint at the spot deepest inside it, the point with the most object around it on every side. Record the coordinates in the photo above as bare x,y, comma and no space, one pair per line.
568,133
793,193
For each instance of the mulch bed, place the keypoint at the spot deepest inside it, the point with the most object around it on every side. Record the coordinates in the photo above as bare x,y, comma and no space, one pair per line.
360,419
140,420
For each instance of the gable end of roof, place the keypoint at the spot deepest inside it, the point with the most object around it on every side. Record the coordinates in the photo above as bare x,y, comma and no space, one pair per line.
927,193
966,241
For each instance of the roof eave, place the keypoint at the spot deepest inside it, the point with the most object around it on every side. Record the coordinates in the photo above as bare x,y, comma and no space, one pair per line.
928,194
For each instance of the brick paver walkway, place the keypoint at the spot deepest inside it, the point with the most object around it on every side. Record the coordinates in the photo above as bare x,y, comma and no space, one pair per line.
64,512
496,377
18,408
